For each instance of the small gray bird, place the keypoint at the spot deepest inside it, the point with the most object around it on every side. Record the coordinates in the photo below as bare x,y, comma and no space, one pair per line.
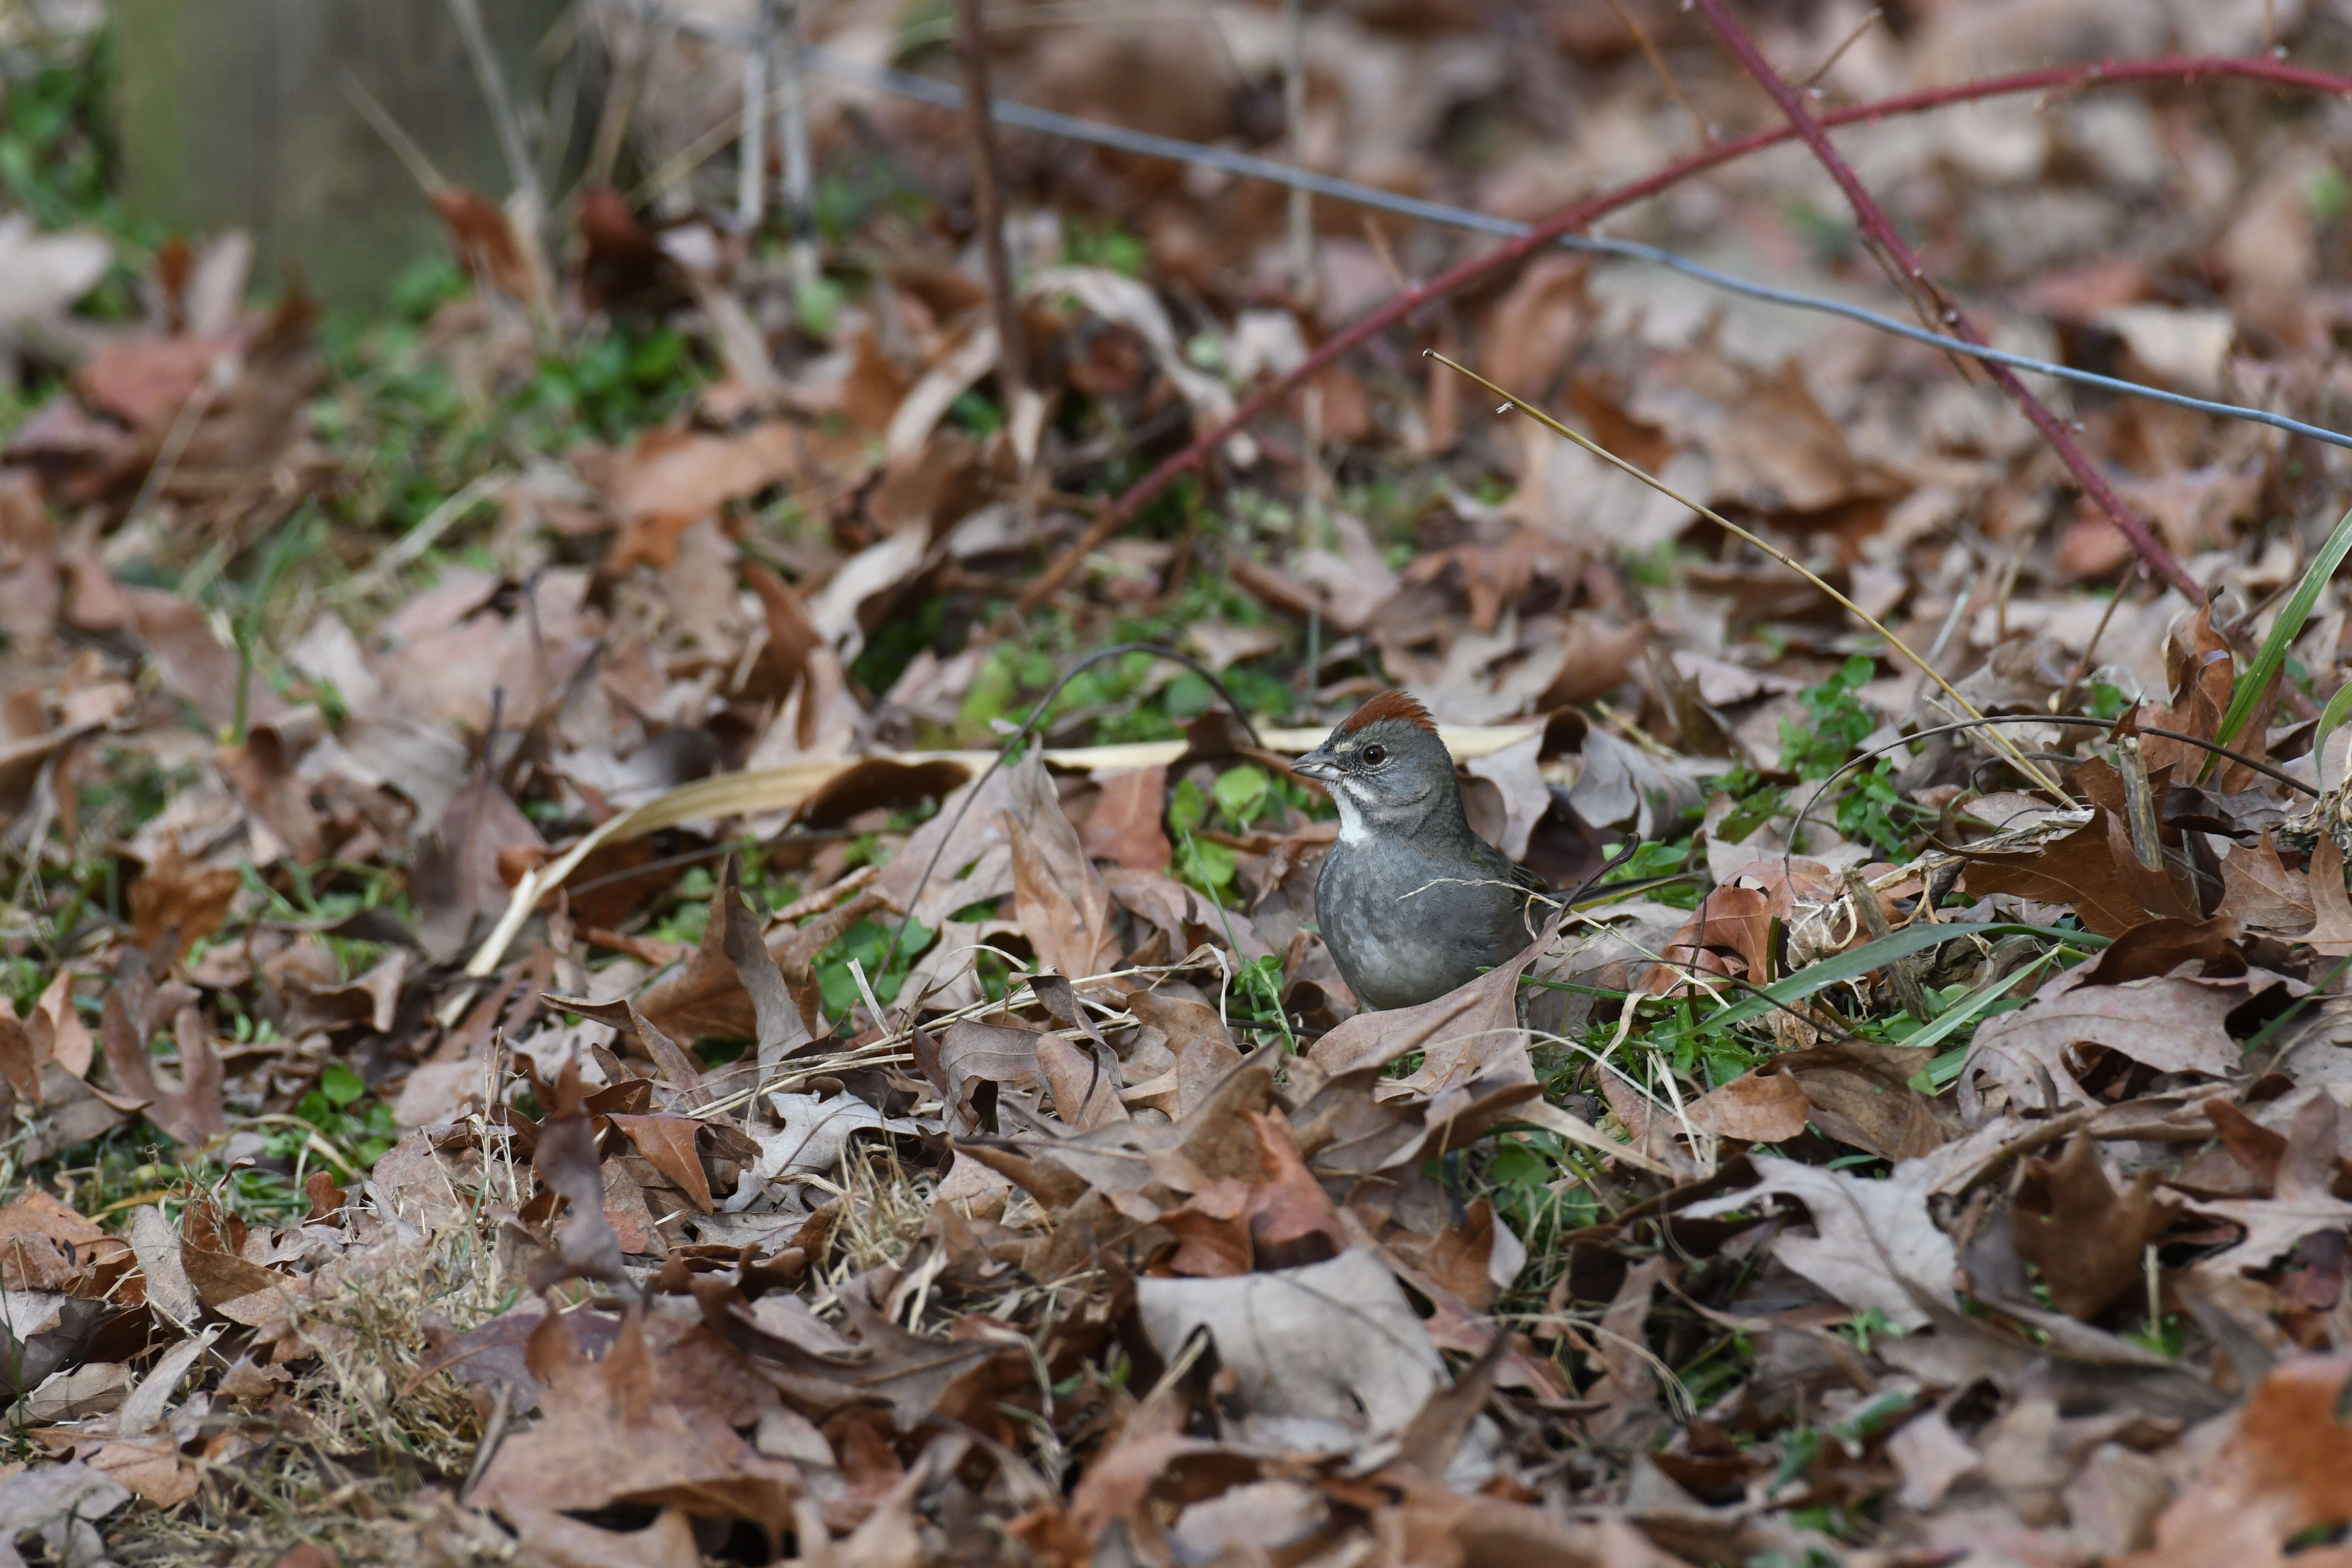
1411,901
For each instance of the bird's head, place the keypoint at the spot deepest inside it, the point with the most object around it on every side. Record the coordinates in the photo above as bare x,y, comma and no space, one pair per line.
1385,768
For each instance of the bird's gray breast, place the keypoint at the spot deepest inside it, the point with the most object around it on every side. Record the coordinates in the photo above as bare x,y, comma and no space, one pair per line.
1405,927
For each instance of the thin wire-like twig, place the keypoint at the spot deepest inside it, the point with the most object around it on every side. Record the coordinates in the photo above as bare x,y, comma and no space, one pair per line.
1936,649
411,546
1869,19
504,120
1652,53
402,145
1512,401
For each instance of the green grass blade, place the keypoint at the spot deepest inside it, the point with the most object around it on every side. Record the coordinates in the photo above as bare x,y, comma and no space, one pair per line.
1976,1002
1854,962
2284,631
1941,1070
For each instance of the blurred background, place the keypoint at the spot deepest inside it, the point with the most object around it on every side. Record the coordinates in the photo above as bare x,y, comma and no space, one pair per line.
432,430
536,285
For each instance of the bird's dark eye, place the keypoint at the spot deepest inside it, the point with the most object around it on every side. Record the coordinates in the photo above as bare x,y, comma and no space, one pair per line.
1375,755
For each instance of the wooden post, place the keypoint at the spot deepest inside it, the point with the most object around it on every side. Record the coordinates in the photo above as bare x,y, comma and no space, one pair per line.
232,117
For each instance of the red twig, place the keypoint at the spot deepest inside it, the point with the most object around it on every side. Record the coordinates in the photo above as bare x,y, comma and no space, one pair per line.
2186,70
1903,263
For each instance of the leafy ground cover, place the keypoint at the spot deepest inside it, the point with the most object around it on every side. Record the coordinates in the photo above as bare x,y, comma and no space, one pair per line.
584,980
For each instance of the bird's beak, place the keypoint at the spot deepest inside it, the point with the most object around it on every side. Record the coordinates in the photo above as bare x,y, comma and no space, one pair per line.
1317,766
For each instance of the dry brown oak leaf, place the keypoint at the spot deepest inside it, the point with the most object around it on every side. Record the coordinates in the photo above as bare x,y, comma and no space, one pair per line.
598,1412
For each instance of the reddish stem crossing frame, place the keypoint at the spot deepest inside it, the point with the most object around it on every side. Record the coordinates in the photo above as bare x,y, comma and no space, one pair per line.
2186,70
1904,264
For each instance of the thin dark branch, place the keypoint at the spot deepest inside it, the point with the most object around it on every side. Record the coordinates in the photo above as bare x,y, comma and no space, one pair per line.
988,201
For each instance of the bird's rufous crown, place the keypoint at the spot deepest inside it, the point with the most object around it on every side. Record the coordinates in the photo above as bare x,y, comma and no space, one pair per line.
1389,704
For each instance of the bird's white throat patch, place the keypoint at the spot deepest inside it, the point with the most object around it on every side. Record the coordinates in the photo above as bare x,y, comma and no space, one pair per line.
1353,829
